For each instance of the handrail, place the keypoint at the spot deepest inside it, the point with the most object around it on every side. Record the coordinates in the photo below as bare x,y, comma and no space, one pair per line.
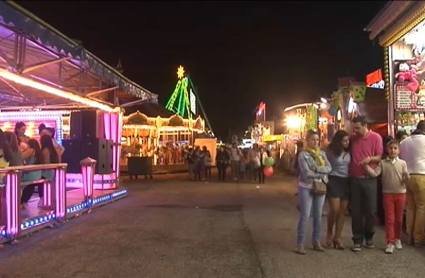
33,167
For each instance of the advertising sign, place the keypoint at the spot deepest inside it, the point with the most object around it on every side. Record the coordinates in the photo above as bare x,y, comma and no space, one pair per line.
406,100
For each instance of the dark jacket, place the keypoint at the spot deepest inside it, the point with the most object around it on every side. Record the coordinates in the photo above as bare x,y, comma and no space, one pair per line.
222,157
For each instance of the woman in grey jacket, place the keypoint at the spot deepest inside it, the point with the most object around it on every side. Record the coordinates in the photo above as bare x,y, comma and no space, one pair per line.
313,166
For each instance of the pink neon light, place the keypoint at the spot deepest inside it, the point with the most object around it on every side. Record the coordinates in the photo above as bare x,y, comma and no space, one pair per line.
79,183
12,185
60,193
87,173
114,137
112,176
47,198
107,124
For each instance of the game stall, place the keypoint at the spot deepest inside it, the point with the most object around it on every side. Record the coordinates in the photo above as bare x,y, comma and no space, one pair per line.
400,29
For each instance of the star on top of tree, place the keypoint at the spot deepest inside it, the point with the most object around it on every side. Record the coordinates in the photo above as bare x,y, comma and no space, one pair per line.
180,72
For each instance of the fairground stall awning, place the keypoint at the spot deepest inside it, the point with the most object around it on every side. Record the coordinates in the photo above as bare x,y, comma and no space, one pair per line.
394,20
42,68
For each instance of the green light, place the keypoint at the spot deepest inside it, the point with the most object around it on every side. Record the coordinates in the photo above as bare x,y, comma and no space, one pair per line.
181,94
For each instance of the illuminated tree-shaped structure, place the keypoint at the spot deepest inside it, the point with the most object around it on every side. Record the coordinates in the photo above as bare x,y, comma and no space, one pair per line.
184,101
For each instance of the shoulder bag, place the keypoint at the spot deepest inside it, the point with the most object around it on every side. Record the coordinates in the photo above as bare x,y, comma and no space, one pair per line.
319,186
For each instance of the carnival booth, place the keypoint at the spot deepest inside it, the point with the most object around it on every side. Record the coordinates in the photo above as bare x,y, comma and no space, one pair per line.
400,27
48,78
163,138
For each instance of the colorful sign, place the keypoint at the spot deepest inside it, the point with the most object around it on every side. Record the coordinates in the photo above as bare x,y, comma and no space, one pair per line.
407,100
378,85
268,138
192,102
358,92
374,77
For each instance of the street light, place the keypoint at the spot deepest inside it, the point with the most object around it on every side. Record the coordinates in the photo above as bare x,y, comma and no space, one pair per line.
324,100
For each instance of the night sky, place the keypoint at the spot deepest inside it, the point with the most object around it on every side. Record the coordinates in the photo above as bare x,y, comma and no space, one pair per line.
238,53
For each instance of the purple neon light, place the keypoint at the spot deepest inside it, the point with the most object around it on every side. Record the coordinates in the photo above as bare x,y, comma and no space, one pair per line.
88,176
12,185
60,193
107,124
17,116
47,198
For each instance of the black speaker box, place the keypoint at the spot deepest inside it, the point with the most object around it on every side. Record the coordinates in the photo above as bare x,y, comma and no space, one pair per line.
87,124
71,156
109,156
97,149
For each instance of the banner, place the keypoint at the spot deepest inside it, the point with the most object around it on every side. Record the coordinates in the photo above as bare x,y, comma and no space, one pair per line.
358,92
407,100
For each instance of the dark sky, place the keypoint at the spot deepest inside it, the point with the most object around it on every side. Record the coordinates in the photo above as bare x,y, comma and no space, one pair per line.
238,53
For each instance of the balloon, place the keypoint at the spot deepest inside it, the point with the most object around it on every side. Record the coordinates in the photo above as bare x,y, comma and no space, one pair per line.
268,171
268,161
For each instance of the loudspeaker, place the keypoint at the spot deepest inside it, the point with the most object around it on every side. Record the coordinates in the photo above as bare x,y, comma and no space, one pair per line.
109,156
72,156
98,150
87,124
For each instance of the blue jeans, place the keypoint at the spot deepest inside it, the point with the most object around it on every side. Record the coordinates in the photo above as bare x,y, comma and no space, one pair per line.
310,204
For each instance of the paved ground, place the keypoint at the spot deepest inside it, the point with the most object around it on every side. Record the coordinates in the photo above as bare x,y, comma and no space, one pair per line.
172,228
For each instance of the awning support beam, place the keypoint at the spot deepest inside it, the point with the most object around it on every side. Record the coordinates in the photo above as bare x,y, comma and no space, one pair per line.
43,64
8,60
101,91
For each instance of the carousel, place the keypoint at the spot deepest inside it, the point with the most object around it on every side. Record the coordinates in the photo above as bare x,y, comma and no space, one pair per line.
163,139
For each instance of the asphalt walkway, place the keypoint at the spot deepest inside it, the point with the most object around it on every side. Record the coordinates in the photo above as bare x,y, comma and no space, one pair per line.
172,228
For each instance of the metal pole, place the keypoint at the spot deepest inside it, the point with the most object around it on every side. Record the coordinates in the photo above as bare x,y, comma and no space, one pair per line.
200,104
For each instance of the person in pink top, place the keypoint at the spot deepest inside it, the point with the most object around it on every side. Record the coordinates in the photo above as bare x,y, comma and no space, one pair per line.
366,148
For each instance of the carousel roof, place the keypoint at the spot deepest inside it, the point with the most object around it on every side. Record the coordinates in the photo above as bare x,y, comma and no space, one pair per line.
176,120
151,110
198,123
137,119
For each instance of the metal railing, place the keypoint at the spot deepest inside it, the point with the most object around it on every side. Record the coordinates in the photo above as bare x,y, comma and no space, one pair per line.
54,198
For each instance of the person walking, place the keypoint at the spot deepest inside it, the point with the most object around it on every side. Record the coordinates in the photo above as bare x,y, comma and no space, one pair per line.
235,157
253,162
366,148
412,150
207,162
263,155
222,159
314,167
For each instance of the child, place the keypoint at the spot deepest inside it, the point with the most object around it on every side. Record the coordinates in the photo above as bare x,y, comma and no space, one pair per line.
394,176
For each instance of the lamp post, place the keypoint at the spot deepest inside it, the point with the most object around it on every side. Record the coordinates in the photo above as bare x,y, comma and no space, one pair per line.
320,105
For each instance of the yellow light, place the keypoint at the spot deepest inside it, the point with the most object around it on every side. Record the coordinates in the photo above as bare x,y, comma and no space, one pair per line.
293,121
54,91
180,72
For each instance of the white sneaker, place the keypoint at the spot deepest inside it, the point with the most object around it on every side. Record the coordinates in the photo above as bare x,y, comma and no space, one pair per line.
389,249
397,244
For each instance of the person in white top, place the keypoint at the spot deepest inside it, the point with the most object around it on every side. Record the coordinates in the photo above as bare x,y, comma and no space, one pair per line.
412,150
235,157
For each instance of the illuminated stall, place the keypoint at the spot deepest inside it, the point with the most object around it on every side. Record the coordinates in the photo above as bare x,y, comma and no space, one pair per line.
400,29
48,78
163,138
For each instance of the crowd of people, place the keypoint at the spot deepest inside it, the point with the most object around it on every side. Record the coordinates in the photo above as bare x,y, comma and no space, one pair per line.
244,164
362,171
17,149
